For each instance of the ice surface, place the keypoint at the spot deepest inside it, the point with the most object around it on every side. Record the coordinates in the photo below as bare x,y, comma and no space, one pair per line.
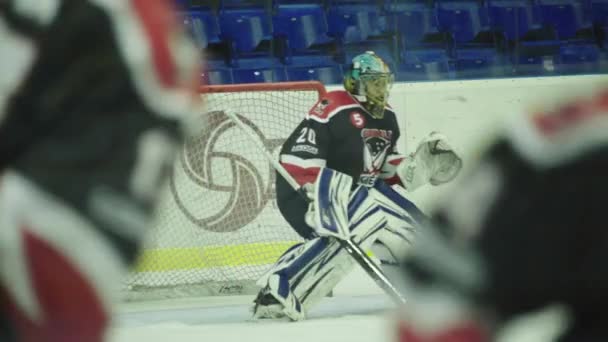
359,312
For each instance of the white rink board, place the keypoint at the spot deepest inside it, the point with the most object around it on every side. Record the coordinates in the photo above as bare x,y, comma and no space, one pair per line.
470,112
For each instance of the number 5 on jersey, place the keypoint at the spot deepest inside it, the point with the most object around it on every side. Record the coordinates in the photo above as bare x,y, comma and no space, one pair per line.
357,119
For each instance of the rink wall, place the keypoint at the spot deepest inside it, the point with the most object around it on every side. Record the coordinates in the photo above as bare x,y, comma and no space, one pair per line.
468,112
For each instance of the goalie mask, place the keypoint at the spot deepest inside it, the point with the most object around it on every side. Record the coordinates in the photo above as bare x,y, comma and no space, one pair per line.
371,79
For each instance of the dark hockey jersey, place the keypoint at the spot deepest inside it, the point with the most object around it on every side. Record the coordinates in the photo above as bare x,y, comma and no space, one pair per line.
534,213
340,134
94,96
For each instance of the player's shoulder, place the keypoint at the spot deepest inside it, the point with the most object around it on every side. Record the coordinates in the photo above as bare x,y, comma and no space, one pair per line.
391,116
388,110
549,138
331,104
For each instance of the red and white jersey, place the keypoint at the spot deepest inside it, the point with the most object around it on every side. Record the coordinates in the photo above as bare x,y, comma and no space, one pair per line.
92,93
88,90
339,133
550,138
531,217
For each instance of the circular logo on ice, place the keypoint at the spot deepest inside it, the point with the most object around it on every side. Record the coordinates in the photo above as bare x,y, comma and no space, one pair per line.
224,180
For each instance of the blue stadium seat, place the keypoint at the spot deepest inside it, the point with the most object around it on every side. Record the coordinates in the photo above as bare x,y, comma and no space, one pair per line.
346,2
215,71
331,74
259,75
539,60
199,5
220,76
310,60
353,23
424,64
385,48
300,28
514,18
225,4
599,11
478,63
245,29
475,44
579,59
603,61
599,17
302,25
258,69
214,64
415,22
463,19
534,48
277,3
567,17
536,65
396,6
202,26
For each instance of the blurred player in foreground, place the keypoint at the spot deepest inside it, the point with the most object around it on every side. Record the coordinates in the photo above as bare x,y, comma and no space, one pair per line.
527,229
91,95
352,131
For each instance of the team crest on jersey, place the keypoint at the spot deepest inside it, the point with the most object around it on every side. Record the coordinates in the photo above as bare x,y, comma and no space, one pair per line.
357,119
375,150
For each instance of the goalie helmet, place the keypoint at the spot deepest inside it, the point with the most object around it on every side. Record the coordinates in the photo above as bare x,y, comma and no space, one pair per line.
370,79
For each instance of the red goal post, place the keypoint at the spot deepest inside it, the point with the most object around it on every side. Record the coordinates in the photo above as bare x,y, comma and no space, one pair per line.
261,87
217,227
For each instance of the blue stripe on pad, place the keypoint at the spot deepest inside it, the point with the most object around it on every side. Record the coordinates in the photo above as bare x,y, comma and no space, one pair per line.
324,200
304,259
401,201
356,200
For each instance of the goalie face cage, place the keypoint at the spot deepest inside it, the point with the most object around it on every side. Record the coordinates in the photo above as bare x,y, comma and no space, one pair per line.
217,228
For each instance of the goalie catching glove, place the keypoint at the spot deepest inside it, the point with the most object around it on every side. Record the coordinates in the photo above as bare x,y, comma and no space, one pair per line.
434,161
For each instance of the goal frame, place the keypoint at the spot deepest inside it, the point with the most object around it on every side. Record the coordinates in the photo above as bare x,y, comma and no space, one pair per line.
278,86
221,287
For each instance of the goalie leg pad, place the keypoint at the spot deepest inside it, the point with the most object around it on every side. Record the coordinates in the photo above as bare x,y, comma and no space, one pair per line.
300,275
394,242
276,299
308,272
312,269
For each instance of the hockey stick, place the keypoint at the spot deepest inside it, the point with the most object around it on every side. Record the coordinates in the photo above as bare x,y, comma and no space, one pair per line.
372,269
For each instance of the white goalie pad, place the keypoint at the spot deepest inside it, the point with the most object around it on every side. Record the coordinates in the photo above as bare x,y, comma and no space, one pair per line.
308,272
330,205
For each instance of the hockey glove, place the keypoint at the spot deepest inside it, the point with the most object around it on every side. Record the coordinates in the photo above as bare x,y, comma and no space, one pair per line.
434,161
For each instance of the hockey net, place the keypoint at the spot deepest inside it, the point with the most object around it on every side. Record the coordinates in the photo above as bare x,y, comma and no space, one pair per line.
217,228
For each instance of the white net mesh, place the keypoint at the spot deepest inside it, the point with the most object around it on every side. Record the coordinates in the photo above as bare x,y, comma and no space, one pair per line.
218,227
